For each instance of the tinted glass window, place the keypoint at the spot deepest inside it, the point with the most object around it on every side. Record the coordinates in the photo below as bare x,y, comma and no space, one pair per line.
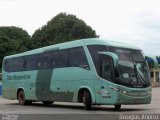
137,56
60,59
5,65
77,58
31,62
54,59
45,61
19,64
123,54
106,68
9,65
94,49
15,64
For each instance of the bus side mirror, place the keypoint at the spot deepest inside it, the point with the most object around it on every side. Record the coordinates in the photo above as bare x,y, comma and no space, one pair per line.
113,56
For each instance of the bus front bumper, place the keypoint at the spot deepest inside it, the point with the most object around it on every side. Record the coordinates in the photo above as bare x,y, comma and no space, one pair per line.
127,99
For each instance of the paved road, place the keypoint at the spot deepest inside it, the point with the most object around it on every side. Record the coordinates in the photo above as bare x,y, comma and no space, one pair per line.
62,110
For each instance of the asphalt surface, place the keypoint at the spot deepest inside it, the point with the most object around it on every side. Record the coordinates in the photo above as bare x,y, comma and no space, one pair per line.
10,110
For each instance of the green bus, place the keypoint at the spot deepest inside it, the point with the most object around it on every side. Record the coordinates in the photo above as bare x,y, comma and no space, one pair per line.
89,71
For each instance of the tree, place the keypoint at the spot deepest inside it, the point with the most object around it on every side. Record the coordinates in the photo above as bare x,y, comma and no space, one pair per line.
13,40
62,28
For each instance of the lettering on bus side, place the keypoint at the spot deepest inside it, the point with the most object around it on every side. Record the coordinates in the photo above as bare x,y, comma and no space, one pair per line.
18,77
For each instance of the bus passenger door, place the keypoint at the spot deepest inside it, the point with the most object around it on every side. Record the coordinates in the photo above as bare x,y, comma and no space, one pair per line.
106,78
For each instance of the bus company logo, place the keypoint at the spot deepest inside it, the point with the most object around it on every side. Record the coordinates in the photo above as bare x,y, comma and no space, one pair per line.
18,77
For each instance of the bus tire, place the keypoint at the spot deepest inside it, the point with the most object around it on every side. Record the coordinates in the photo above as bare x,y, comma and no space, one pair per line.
47,102
21,98
117,107
87,100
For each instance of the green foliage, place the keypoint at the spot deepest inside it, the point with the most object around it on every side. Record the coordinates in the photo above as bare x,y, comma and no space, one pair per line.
62,28
13,40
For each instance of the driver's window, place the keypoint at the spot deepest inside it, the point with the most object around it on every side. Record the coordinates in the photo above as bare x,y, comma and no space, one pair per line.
106,68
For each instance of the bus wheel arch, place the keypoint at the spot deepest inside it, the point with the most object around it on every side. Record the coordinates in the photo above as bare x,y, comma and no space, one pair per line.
21,97
84,96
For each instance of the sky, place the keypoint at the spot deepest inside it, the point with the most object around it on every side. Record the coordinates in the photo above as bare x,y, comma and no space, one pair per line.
135,22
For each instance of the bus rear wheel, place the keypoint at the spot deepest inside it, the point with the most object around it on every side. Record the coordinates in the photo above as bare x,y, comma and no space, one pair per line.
22,100
117,107
87,100
21,97
47,102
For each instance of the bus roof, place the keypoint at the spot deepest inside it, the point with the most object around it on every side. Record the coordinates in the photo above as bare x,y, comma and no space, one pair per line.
97,41
76,43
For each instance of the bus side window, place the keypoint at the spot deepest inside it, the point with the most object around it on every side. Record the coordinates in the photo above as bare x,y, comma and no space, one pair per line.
54,59
44,61
31,63
77,58
5,65
17,64
23,63
94,49
9,63
60,59
106,68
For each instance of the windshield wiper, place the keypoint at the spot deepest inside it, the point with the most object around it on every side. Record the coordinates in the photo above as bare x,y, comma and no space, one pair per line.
139,74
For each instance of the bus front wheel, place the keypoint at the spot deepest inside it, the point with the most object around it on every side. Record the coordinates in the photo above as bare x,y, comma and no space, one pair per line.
87,100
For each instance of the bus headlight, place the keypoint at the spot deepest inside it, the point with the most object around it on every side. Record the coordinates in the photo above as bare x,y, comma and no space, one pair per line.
124,92
114,88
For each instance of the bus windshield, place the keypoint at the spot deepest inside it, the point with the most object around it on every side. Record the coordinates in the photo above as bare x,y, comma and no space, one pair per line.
133,69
